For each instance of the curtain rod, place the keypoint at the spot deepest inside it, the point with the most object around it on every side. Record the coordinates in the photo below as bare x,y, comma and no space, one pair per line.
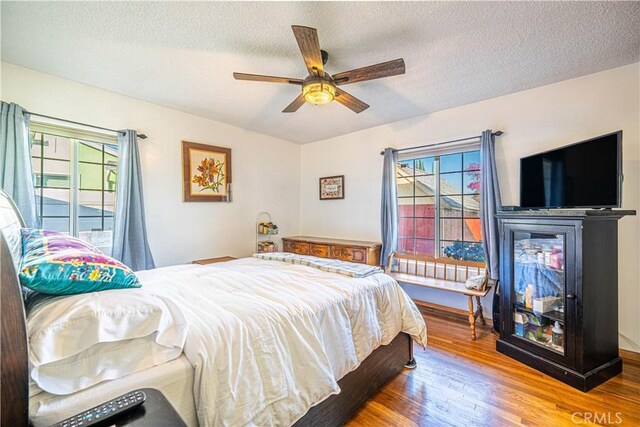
496,133
140,135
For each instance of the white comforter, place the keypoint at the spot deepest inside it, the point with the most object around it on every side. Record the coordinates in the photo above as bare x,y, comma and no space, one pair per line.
270,339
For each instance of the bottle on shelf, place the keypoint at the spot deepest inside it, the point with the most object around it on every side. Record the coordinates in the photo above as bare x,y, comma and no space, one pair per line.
528,296
557,337
267,228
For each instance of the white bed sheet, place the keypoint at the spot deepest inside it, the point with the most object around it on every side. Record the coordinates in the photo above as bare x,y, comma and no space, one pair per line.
174,379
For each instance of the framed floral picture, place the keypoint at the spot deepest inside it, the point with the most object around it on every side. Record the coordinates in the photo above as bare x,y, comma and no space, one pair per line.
206,173
332,187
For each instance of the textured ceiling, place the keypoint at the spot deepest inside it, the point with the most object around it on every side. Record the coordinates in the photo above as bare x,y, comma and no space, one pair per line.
182,54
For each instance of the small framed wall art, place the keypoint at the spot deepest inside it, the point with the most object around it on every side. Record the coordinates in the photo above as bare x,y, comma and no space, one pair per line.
332,187
206,173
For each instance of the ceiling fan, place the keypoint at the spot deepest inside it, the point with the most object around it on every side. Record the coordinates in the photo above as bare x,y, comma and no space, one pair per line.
320,87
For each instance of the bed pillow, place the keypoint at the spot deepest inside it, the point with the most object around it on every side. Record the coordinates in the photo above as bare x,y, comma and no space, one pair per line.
81,340
57,264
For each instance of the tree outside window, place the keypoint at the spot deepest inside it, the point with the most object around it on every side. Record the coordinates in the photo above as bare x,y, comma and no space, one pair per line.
439,206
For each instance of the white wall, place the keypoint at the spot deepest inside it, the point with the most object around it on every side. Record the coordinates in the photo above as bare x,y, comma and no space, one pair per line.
266,170
533,121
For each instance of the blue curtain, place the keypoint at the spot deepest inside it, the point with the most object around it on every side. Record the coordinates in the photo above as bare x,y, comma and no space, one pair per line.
16,174
489,203
389,212
130,243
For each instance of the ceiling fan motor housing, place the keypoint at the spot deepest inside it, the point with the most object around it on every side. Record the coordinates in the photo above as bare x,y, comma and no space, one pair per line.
325,56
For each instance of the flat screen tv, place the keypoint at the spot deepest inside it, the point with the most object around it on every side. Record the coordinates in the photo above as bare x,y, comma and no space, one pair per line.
587,174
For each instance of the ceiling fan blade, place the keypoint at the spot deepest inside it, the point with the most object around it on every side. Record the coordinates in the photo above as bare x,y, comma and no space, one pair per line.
297,103
310,47
271,79
378,71
350,101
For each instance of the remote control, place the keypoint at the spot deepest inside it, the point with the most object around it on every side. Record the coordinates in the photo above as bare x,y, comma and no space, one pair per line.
107,410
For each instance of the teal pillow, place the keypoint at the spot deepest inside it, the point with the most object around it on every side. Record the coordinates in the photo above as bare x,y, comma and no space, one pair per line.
56,264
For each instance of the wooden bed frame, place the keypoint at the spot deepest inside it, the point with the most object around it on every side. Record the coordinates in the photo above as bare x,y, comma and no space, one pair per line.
383,364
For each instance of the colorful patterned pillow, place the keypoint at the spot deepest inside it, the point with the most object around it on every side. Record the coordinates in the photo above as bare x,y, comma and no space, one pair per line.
56,264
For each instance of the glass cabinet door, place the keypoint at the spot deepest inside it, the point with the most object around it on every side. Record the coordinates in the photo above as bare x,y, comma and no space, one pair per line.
539,289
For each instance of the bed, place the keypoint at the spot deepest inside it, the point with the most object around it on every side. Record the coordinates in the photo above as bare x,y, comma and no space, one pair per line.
268,343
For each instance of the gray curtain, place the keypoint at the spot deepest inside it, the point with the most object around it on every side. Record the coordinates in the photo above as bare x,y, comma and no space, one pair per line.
489,203
389,211
130,243
16,174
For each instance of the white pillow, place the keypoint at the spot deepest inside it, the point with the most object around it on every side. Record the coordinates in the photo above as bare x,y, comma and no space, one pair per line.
80,340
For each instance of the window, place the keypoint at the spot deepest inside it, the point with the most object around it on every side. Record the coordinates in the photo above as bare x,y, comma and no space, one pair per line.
439,206
75,180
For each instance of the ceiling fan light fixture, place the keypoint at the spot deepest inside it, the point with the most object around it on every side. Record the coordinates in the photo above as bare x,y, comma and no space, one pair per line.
319,92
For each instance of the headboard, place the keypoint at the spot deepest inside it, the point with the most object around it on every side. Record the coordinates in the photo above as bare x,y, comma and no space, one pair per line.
14,367
10,224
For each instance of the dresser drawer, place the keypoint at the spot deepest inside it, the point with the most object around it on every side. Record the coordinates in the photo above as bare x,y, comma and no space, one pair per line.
359,255
322,251
299,248
349,254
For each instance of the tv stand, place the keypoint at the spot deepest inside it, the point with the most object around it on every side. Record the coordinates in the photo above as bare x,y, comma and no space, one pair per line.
559,293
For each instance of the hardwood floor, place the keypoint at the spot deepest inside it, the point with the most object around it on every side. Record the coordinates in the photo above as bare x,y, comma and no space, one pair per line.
459,382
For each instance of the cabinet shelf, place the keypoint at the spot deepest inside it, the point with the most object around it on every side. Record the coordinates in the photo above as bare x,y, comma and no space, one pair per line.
543,344
553,315
264,235
539,266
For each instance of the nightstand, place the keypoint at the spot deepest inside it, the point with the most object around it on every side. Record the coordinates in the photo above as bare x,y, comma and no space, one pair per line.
213,260
155,412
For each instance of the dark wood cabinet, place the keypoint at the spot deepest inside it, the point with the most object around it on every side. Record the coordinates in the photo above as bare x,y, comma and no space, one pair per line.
559,292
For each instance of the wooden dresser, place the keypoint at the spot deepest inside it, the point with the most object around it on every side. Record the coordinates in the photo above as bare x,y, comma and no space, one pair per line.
345,250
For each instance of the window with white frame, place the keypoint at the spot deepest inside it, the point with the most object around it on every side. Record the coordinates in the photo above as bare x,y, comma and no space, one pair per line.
439,206
75,176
